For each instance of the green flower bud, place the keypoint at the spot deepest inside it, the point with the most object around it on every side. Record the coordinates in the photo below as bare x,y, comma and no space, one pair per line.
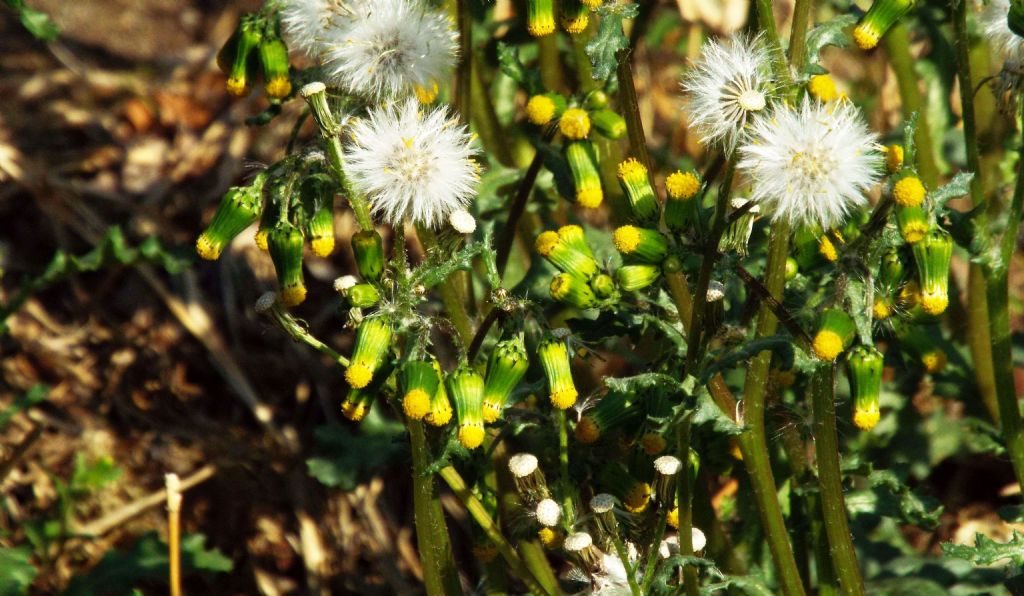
315,94
792,268
440,406
927,346
835,332
882,15
595,100
554,359
563,253
359,400
737,234
572,235
865,370
637,186
609,123
603,285
241,74
807,248
614,410
575,17
540,17
321,231
542,109
362,296
238,209
368,248
683,200
507,365
586,178
890,273
373,342
637,277
467,389
616,480
913,223
932,255
419,383
285,242
643,244
274,57
572,290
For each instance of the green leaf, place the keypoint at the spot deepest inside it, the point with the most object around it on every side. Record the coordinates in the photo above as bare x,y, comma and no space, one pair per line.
512,66
780,345
610,38
987,551
830,33
959,186
742,584
36,22
345,458
23,402
631,385
16,571
707,414
119,571
888,496
89,477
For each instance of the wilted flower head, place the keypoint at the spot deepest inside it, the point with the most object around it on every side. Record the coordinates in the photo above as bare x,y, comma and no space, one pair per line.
309,24
389,48
412,163
811,165
728,85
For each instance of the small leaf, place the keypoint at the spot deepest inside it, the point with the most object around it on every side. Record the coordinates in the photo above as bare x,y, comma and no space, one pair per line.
780,345
603,49
709,415
512,66
959,186
987,551
830,33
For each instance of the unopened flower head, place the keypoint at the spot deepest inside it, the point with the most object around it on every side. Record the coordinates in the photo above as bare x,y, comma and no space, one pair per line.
462,221
412,164
728,86
811,165
391,48
548,513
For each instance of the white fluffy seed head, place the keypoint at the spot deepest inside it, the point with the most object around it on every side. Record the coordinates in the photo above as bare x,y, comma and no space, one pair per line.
522,464
463,221
412,163
389,48
344,283
716,291
698,540
548,513
1001,38
577,541
309,24
669,547
811,165
729,84
265,302
602,503
668,465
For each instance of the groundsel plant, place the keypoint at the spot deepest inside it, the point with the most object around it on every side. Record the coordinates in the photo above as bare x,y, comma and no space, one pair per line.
583,344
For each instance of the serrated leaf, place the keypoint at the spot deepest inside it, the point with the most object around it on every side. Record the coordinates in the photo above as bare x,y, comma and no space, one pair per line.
987,551
16,571
780,345
706,413
890,497
959,186
603,49
631,385
830,33
512,66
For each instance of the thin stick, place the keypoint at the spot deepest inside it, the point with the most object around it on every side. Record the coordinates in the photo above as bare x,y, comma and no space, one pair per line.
173,487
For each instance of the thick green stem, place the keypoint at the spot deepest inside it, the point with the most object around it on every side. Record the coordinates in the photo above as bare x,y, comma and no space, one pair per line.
685,504
479,513
449,291
551,75
653,555
464,74
568,511
830,480
631,111
359,206
798,34
440,576
897,44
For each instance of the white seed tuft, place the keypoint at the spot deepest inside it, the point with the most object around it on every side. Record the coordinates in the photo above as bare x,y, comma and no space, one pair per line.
522,464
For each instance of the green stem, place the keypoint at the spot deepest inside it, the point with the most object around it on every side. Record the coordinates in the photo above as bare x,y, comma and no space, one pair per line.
551,76
830,479
359,206
479,513
631,111
653,553
685,504
464,74
897,44
798,34
568,512
449,291
440,576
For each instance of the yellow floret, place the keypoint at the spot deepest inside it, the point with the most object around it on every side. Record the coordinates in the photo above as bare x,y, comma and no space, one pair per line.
492,411
564,399
548,537
440,415
934,303
682,185
865,37
540,110
914,231
416,404
322,246
354,411
591,4
652,443
866,419
426,95
546,242
293,295
881,309
358,375
908,191
236,86
631,169
827,345
261,239
828,250
823,87
560,286
575,124
935,361
279,87
587,431
893,158
673,518
626,239
638,497
207,248
576,25
589,198
471,435
542,26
